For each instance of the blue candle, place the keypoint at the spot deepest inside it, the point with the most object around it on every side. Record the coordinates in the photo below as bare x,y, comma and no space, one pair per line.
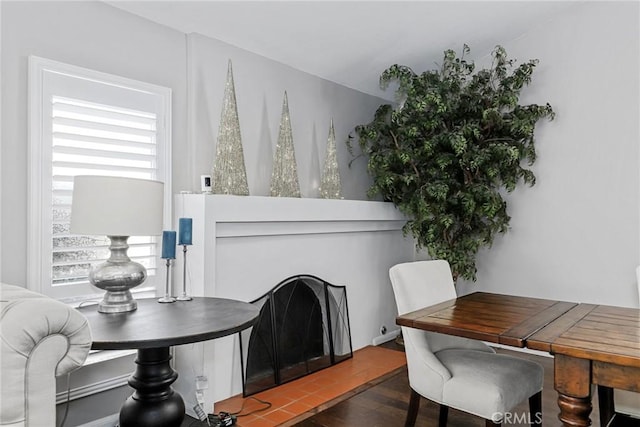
168,245
185,226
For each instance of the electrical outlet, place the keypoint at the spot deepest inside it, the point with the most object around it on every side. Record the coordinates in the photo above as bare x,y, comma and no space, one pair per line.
383,330
200,397
202,382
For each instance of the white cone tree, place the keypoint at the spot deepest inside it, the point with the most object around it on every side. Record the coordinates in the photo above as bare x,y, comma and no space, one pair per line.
229,173
330,186
284,178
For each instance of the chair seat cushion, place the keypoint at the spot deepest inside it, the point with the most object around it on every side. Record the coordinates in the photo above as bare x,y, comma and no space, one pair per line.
488,384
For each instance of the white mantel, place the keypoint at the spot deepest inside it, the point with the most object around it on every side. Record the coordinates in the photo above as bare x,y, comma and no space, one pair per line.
255,218
245,245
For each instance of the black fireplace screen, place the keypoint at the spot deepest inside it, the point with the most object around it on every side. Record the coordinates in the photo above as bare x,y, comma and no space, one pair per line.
303,327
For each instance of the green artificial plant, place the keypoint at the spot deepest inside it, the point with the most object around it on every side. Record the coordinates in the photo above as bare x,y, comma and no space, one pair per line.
443,157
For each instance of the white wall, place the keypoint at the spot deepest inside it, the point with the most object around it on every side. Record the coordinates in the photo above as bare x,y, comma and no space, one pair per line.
260,84
87,34
97,36
575,234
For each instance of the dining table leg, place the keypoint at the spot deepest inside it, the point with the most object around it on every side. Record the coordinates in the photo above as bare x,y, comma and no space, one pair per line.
572,381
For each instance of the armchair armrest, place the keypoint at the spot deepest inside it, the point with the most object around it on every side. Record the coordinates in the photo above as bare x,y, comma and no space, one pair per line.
41,338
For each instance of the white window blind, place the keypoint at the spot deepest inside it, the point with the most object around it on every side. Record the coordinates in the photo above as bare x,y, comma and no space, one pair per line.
93,139
88,123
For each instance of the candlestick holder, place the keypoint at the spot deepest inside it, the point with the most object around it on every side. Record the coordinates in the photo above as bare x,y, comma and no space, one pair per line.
184,296
167,294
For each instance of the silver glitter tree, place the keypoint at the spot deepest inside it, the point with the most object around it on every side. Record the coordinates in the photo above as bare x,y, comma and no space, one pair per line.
330,187
229,173
284,178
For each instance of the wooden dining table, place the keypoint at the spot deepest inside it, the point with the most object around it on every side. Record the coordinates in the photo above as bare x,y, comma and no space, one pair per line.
592,344
495,318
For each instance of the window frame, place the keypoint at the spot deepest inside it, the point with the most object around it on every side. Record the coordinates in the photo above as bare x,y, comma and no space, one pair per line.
39,240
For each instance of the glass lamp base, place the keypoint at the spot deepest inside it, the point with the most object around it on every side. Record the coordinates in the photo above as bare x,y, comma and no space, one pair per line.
167,299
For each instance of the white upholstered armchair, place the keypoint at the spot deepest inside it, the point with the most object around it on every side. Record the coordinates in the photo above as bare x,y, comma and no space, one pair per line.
457,372
41,338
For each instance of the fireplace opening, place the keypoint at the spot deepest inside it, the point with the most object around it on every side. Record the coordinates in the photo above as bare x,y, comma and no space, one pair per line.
303,326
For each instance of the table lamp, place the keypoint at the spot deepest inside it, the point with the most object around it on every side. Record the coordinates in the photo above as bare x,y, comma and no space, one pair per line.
117,207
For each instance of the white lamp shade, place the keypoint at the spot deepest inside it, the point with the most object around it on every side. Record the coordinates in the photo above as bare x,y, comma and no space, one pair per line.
116,206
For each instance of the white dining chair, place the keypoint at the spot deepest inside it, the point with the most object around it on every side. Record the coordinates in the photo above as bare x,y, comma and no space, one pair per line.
457,372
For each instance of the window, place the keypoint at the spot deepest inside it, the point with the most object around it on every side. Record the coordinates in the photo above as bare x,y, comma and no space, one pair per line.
84,122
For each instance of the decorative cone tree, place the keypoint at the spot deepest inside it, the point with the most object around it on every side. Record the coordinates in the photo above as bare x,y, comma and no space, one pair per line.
330,187
445,155
284,178
229,174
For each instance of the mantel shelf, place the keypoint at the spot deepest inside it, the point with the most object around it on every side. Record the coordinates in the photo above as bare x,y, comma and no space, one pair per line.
244,216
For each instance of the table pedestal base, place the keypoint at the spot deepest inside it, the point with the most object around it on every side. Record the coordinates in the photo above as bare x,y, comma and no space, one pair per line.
154,403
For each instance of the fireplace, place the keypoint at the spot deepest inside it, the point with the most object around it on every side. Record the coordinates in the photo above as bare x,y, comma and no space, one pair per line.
244,245
303,327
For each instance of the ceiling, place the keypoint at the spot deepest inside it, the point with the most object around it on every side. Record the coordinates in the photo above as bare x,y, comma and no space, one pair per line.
352,42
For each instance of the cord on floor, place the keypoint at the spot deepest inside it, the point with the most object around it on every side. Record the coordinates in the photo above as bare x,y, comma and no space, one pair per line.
225,419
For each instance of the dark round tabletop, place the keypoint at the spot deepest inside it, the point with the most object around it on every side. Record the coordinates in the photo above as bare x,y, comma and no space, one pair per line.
163,325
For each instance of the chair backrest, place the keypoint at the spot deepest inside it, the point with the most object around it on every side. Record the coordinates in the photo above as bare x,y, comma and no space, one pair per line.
421,283
417,285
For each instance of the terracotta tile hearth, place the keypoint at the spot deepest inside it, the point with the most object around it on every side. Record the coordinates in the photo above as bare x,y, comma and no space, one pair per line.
302,398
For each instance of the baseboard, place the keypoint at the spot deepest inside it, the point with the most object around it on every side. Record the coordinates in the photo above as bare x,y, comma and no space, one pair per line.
110,421
381,339
93,388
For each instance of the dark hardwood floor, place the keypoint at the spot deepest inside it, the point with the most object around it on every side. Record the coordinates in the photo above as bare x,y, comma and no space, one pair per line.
385,405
